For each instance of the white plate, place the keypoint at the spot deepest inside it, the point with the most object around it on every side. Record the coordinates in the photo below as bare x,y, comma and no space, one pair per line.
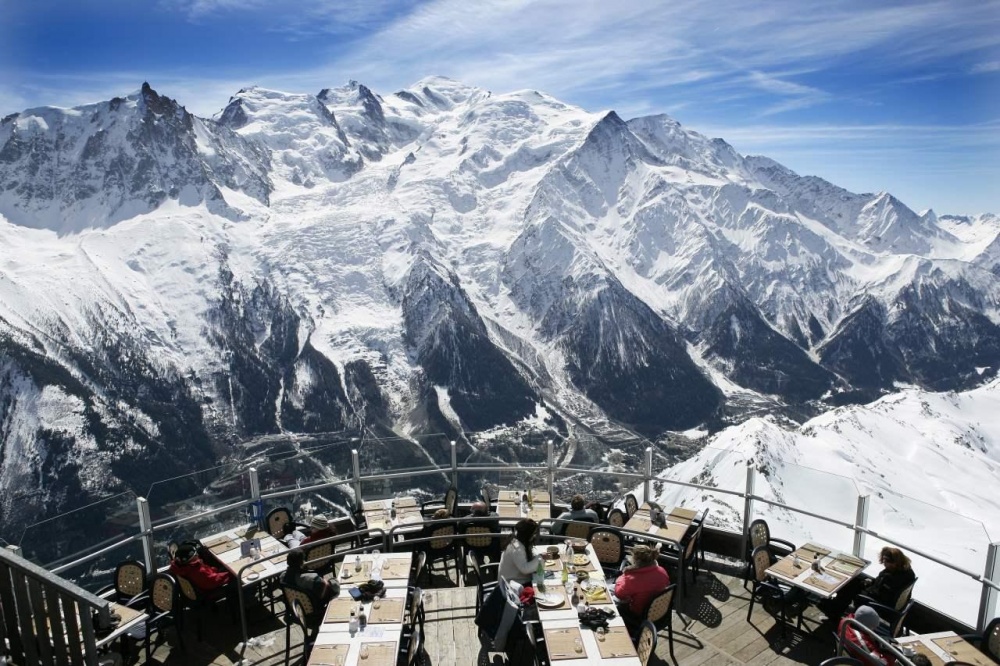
549,600
253,575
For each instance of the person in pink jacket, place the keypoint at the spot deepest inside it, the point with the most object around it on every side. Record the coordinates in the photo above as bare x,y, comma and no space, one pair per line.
639,583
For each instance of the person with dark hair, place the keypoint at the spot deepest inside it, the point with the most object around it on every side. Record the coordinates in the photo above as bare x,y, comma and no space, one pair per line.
639,583
921,660
318,589
188,565
896,576
518,562
577,511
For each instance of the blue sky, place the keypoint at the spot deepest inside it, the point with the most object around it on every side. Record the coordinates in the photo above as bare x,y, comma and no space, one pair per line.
903,97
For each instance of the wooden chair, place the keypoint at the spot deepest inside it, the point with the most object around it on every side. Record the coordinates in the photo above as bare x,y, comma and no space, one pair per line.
631,505
661,614
578,529
449,502
164,610
130,583
199,601
279,522
775,598
610,549
300,611
760,535
617,518
989,642
646,645
442,548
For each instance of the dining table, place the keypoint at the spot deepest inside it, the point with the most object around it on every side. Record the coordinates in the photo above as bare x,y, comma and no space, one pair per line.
374,644
817,569
401,513
566,640
393,569
513,505
227,547
673,525
944,647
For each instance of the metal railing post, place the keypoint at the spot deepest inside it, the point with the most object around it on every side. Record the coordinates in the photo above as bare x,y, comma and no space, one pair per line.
16,550
257,505
454,464
356,462
988,601
146,531
648,483
552,468
861,524
748,505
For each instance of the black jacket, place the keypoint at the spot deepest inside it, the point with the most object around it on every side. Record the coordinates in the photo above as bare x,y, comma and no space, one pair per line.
888,585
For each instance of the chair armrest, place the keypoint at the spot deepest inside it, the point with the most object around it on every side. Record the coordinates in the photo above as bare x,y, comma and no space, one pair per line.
425,506
781,542
142,598
105,590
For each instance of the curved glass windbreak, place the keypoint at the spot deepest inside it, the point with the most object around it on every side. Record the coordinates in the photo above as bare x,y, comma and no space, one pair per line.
294,462
716,468
99,574
831,495
941,533
83,530
198,528
197,492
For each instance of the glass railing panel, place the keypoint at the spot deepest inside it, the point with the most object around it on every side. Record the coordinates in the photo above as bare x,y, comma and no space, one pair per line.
943,534
196,528
98,574
519,448
585,452
710,470
292,462
391,454
74,534
197,492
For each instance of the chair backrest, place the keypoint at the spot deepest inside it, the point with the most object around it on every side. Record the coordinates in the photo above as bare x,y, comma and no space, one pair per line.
163,592
276,520
692,542
419,564
761,559
477,541
324,550
441,537
631,505
991,638
578,530
896,627
904,597
298,614
617,518
416,646
130,578
608,545
187,589
646,645
659,608
297,597
760,533
486,498
416,606
451,500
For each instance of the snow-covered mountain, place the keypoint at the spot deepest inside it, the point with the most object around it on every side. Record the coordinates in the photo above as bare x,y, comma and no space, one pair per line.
929,461
435,260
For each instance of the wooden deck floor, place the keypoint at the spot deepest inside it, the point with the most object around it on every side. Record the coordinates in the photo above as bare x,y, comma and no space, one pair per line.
717,633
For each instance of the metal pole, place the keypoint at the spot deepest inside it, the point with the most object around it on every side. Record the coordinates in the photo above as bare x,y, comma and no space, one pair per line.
146,531
552,467
861,524
988,601
454,464
356,461
257,505
747,506
648,483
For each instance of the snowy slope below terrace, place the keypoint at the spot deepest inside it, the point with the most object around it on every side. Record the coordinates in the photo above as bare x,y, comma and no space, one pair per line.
929,461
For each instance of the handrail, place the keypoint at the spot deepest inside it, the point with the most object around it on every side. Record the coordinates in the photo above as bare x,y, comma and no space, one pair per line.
549,470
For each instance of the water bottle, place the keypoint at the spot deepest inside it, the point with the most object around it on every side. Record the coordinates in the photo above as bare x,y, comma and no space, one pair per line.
565,573
352,624
816,566
362,617
357,563
540,575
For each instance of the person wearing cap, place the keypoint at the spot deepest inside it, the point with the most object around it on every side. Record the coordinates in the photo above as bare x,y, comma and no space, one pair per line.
188,565
577,511
639,583
860,644
320,528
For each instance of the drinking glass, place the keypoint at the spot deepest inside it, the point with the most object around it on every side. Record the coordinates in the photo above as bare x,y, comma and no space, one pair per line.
578,645
364,650
602,633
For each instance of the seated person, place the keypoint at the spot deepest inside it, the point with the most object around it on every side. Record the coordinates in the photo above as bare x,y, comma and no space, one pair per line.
860,644
206,578
921,660
320,528
319,590
578,511
478,510
896,576
639,583
518,561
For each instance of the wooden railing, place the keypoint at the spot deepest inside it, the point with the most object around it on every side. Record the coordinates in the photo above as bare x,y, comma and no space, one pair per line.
45,619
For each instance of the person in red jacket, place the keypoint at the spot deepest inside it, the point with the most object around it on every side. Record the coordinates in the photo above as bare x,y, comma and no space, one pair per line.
206,578
639,583
859,645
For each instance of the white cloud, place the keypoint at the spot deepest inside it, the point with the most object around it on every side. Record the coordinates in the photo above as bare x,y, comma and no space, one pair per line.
984,67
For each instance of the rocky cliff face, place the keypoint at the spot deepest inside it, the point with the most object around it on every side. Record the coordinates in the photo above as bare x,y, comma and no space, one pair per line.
438,259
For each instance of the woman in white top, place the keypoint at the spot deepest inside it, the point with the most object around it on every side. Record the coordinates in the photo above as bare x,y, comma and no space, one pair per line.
517,562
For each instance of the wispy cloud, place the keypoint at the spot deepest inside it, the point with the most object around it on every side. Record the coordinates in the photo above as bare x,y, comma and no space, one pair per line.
984,67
